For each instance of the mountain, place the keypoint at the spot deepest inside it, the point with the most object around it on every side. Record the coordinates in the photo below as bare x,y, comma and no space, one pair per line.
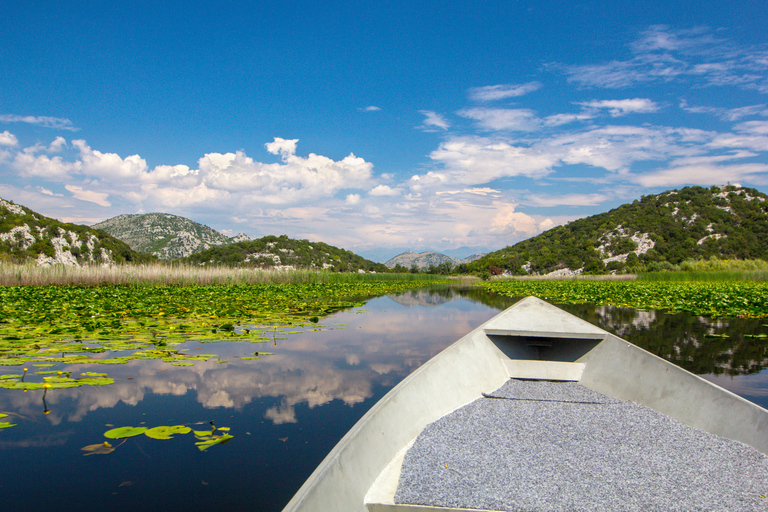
26,235
164,235
424,260
657,231
281,252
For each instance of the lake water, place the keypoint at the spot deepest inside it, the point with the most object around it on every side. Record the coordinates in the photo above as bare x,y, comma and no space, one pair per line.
287,410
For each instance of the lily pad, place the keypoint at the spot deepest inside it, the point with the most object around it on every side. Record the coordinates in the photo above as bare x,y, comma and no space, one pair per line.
96,381
98,449
213,440
122,432
21,385
167,432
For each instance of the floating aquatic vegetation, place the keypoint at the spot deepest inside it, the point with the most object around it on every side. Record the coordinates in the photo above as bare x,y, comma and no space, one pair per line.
98,449
46,325
122,432
60,381
712,299
208,441
167,432
205,438
5,424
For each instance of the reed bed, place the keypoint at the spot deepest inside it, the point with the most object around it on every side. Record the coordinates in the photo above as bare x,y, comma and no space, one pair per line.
180,275
713,269
589,277
714,276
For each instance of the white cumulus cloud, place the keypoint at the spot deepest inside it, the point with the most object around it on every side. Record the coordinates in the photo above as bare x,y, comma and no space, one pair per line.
282,146
383,190
296,179
475,160
8,139
109,166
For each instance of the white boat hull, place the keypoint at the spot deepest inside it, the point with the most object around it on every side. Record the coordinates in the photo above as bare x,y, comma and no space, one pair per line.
531,339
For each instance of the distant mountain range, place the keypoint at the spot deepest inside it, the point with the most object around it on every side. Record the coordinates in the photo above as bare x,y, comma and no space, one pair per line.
164,235
423,260
656,231
27,235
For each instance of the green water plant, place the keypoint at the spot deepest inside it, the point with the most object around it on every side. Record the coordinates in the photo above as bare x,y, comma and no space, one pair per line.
204,438
166,432
50,325
5,424
712,299
98,449
53,380
124,432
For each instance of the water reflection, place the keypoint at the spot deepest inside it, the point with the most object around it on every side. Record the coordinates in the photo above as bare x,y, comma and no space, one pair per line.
698,344
355,352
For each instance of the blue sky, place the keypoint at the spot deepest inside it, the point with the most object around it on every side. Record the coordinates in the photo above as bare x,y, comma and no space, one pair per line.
459,127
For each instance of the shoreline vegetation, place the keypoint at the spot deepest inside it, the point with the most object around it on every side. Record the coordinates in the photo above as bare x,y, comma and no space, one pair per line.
714,299
184,275
713,287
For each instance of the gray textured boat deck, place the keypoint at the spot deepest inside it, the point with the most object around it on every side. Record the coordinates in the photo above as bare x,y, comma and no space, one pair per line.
549,446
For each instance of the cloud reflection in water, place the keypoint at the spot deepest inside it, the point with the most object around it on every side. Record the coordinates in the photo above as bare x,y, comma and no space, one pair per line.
360,349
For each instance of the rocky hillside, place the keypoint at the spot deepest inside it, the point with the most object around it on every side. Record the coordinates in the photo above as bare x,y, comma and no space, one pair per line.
164,235
656,231
28,236
283,253
423,260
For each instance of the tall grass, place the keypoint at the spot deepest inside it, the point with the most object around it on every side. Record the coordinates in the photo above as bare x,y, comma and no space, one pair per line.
182,275
716,276
581,277
713,270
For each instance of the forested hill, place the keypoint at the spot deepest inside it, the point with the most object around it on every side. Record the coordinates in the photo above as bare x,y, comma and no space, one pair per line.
657,230
281,252
26,235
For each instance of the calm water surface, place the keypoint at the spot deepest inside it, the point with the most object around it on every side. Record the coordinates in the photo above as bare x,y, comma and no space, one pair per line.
286,411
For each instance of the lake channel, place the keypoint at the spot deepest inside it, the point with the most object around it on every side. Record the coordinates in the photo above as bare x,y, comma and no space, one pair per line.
286,410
